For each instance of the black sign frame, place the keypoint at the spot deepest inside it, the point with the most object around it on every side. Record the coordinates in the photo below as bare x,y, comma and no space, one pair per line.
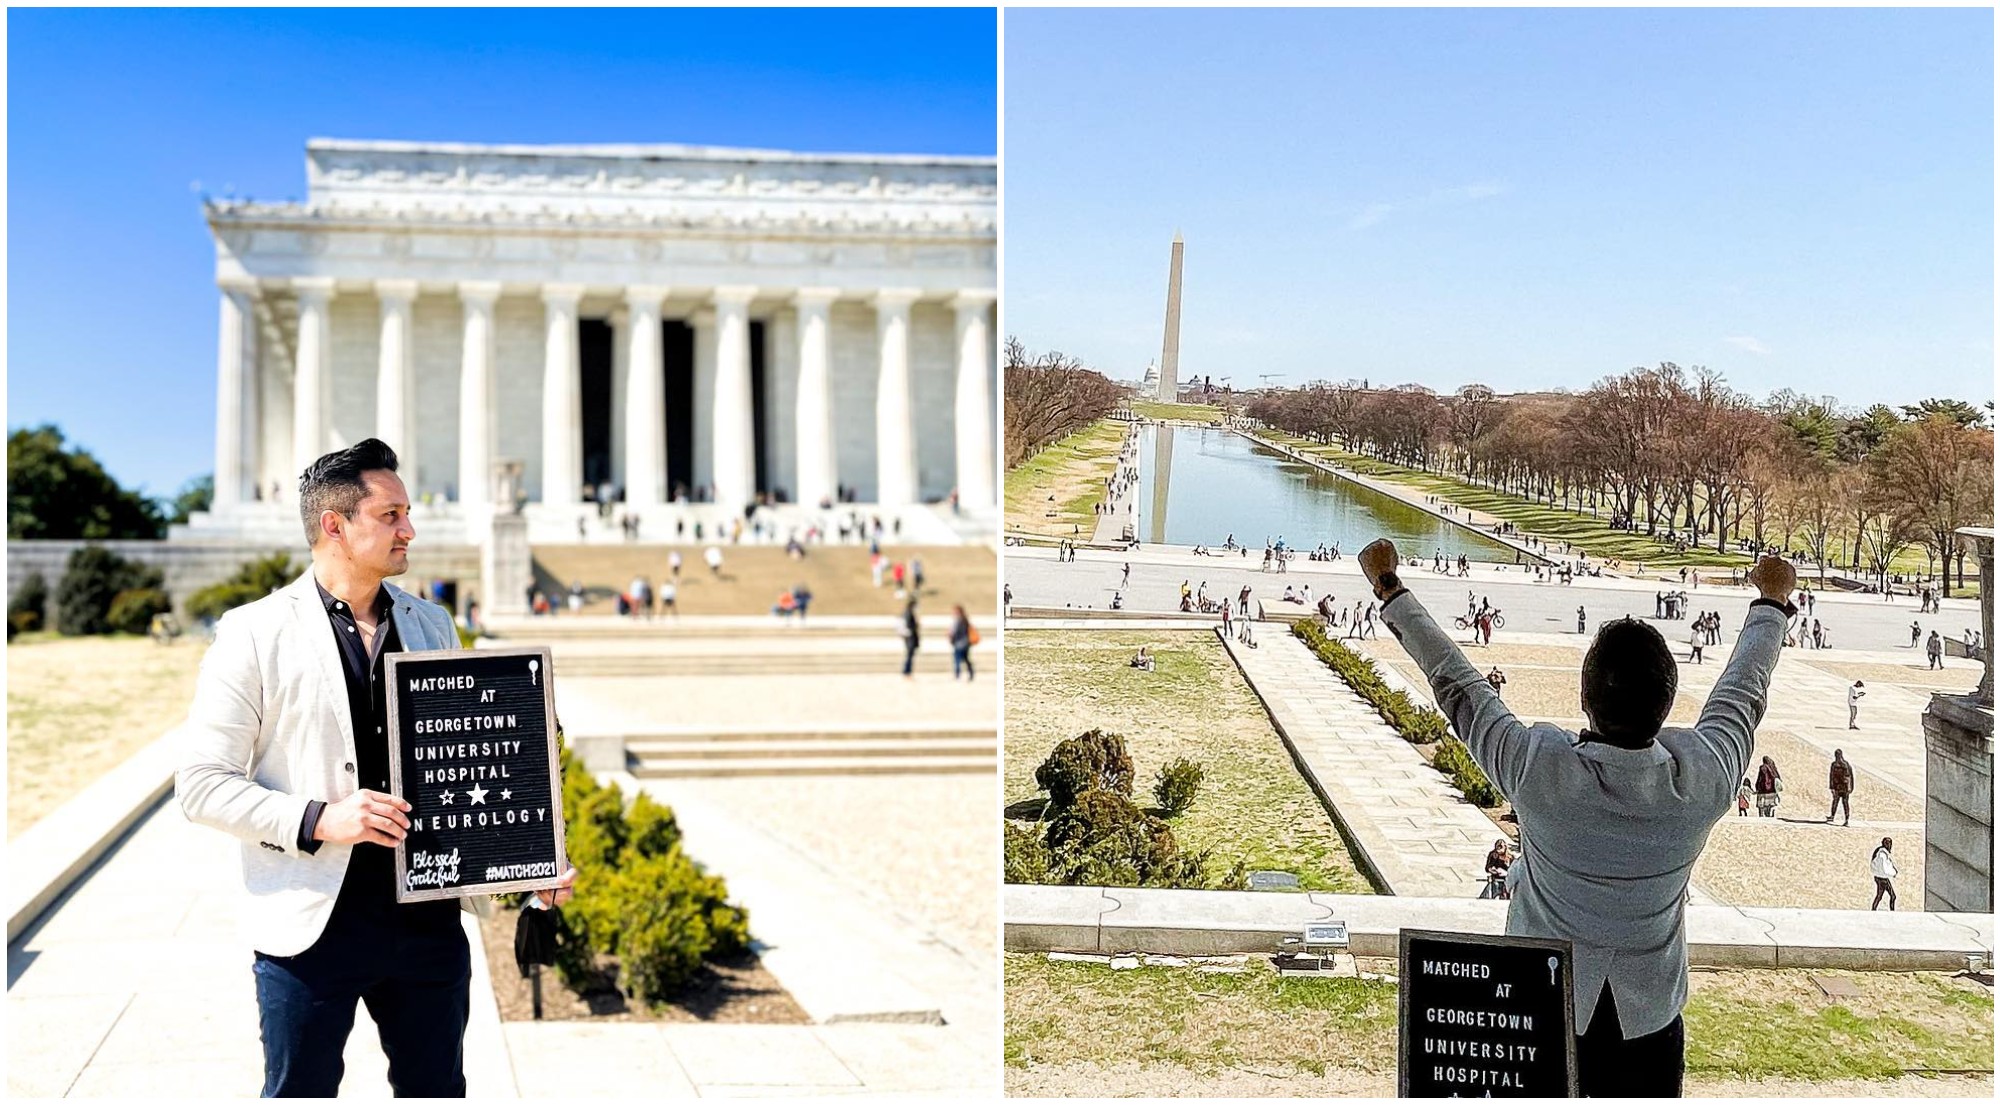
1561,949
399,664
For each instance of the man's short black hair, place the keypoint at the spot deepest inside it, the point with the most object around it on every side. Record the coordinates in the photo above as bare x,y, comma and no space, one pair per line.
333,482
1629,680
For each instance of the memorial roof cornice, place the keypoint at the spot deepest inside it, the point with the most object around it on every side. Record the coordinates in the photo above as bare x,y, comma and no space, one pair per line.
254,214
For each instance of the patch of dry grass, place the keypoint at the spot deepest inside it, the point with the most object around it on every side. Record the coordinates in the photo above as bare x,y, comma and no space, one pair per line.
1254,806
1258,1034
79,706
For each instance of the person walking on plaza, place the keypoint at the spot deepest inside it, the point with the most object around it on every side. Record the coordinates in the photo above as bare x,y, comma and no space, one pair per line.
963,637
674,564
1934,648
910,636
1580,623
1883,866
1696,638
1840,781
1916,634
1770,788
1497,862
1743,798
1618,813
1854,697
284,748
1125,580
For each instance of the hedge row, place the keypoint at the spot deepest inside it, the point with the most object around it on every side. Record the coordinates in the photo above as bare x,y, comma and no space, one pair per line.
641,898
1414,723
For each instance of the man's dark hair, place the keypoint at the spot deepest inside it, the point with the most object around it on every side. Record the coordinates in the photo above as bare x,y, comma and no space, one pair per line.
333,482
1629,680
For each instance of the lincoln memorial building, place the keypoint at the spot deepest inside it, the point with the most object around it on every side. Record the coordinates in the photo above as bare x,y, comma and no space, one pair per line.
684,332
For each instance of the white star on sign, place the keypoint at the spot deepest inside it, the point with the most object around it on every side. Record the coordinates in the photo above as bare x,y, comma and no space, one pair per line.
506,795
445,798
478,795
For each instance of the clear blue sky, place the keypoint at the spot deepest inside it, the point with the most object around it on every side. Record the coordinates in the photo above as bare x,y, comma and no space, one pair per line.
1530,199
113,115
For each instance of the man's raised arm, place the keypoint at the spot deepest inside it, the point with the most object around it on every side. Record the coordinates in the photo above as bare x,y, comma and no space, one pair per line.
1489,729
1728,722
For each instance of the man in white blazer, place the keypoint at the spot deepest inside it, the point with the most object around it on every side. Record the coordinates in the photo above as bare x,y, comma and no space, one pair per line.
286,749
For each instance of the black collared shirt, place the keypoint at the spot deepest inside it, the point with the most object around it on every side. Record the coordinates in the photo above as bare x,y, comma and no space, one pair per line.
368,708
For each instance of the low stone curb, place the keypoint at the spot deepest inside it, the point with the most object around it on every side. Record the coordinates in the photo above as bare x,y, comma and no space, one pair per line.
1107,920
54,853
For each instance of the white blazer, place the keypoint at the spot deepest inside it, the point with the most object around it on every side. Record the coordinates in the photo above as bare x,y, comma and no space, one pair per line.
269,732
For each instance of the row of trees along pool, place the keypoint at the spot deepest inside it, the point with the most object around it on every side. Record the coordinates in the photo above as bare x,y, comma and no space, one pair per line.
1678,450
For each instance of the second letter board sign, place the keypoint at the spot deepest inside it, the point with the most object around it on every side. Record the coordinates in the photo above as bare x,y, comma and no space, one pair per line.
472,748
1484,1016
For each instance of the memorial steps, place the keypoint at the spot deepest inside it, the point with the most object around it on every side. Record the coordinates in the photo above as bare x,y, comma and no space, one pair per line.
856,751
753,575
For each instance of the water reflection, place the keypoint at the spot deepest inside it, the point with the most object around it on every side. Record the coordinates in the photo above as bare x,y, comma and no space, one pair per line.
1223,484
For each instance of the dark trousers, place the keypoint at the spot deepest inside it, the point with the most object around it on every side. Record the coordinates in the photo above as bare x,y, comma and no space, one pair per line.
961,654
909,654
415,974
1609,1065
1882,887
1840,804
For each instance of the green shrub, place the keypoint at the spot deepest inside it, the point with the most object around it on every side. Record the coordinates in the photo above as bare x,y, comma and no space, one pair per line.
91,579
641,898
1026,857
132,611
1177,785
1416,724
1095,760
1457,763
597,830
252,581
650,827
28,606
1102,839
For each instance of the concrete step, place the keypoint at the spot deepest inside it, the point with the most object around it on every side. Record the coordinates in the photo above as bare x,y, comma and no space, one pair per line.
859,748
667,739
662,768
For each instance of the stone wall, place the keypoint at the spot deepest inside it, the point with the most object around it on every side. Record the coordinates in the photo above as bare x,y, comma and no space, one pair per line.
189,566
1958,777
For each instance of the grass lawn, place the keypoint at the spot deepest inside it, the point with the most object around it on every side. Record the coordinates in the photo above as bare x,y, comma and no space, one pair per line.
1073,470
79,706
1198,412
1741,1024
1254,806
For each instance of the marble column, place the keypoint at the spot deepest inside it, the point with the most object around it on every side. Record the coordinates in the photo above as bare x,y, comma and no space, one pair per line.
735,463
895,447
392,374
974,400
236,424
644,412
562,399
620,322
475,401
309,386
702,322
819,474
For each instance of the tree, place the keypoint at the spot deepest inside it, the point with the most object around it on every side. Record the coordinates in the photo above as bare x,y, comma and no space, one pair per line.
1047,397
1960,412
56,493
194,495
1942,475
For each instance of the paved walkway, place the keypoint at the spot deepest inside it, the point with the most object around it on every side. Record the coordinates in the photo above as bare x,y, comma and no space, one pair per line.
1120,509
1406,821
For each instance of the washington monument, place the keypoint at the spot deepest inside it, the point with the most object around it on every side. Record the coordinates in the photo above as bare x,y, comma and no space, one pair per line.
1170,353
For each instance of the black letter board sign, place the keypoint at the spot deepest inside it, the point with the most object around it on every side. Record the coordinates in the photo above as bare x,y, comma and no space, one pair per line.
472,749
1484,1016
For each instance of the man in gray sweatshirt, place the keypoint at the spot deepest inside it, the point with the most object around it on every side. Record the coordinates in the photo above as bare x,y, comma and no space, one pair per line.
1612,818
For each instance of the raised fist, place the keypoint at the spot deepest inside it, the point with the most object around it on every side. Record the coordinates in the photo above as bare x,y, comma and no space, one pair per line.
1378,560
1774,578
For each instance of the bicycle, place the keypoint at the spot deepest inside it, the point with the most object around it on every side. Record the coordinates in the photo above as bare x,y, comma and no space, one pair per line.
1499,621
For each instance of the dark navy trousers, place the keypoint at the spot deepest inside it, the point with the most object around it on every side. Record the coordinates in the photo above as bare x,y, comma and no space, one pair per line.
409,963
